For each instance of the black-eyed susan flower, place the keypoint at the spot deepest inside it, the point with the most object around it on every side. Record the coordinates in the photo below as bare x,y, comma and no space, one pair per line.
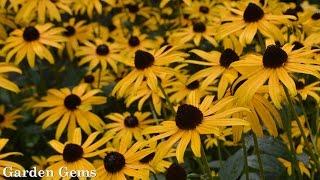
6,163
274,66
122,162
99,78
31,41
7,20
75,32
213,140
305,90
127,127
195,32
44,9
148,65
192,120
80,7
74,154
4,82
204,10
288,165
133,9
176,171
99,52
7,119
251,20
218,66
71,108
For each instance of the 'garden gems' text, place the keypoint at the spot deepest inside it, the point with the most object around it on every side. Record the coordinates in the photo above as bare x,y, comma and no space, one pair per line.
34,172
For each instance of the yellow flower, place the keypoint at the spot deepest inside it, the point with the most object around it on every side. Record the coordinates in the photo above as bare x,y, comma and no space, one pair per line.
274,66
252,19
5,163
8,119
99,78
31,41
74,153
122,162
192,120
42,162
71,108
82,6
204,10
288,165
128,127
5,83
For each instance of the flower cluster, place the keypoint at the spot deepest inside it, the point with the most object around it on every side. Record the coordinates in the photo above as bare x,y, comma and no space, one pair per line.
160,88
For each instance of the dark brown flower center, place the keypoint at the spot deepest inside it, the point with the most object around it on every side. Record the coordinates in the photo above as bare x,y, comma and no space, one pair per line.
70,31
132,8
227,57
147,158
297,45
316,16
131,121
292,12
194,85
188,117
54,1
199,27
30,33
72,153
2,118
89,79
114,162
72,101
176,172
102,50
204,9
134,41
299,85
253,13
143,60
274,57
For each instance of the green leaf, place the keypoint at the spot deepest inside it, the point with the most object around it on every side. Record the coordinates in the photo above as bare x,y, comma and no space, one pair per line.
272,146
271,166
232,168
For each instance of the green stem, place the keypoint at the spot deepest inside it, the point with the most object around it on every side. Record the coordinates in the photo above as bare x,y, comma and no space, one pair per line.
99,78
257,150
154,114
219,152
308,125
245,155
261,42
204,164
167,99
154,176
296,118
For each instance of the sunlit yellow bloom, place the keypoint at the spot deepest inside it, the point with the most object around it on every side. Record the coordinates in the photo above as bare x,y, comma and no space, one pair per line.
80,7
4,82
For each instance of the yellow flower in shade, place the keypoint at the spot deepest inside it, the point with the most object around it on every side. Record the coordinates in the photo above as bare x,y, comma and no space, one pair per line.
142,94
99,52
99,78
195,32
218,65
162,165
6,20
274,66
74,154
134,9
128,127
8,119
31,41
295,131
5,163
149,65
82,6
4,82
288,165
252,19
71,108
43,9
308,90
192,120
122,162
212,140
41,162
76,32
204,10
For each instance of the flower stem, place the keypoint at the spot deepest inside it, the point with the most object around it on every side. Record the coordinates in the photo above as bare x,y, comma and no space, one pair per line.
219,152
296,118
154,114
308,125
204,164
261,42
167,99
257,150
245,155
